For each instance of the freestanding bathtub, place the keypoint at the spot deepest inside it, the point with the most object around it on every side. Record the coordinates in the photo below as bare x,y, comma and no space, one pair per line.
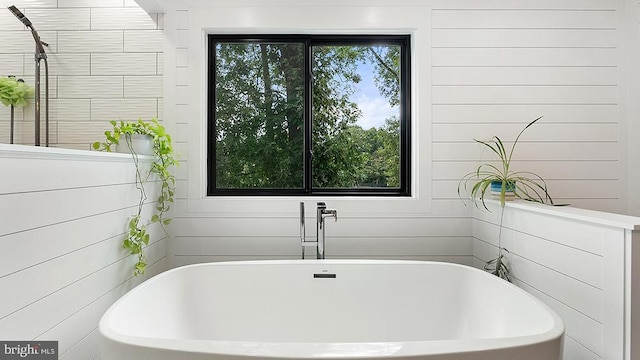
324,309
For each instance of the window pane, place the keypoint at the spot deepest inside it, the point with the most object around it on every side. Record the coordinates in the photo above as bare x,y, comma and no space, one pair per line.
259,111
356,126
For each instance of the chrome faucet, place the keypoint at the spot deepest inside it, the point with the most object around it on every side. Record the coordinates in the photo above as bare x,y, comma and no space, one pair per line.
322,213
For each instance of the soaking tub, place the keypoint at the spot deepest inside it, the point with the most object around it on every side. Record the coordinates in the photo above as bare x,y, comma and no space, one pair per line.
329,309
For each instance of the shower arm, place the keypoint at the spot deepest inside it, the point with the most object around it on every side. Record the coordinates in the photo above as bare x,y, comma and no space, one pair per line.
40,53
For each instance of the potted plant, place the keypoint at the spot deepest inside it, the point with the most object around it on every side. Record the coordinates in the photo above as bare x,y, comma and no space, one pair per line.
14,92
164,157
505,184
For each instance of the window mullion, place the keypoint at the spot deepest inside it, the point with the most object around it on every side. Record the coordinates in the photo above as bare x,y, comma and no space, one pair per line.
308,120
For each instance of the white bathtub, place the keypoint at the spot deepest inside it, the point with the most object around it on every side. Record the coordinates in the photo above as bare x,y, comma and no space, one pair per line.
329,310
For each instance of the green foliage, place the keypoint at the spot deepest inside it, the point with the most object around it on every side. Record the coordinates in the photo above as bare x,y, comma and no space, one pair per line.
387,77
259,115
137,235
259,110
525,184
14,92
498,266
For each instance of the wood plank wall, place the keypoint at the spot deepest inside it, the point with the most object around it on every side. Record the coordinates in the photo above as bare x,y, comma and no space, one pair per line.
62,221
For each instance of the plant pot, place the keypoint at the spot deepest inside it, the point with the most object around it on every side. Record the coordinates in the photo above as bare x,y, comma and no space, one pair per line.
141,144
509,193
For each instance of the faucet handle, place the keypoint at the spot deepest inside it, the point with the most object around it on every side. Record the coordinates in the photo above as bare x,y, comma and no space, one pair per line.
332,213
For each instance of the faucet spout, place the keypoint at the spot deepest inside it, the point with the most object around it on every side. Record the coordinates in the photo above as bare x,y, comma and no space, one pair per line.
322,214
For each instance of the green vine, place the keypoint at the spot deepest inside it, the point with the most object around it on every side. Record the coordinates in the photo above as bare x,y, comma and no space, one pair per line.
137,236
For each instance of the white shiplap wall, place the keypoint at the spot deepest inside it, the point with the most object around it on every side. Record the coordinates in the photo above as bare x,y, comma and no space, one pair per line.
63,217
105,62
206,236
576,261
493,67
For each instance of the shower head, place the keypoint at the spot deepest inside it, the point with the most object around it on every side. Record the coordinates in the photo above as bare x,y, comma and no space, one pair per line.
40,53
14,10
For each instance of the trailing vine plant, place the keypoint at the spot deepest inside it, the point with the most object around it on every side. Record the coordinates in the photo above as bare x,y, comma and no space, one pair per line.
137,234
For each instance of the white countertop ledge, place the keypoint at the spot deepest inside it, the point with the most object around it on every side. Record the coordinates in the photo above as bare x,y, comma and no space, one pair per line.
51,153
569,212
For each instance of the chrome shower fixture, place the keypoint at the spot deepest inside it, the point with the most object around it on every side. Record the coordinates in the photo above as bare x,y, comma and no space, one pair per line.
20,15
40,54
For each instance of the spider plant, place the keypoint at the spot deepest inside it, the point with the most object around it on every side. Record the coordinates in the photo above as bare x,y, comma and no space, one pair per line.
522,184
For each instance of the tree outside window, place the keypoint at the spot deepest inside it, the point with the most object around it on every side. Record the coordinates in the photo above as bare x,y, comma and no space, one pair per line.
308,115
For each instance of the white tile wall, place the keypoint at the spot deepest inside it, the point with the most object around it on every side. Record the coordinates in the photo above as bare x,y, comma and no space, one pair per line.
122,18
160,64
70,109
123,109
182,20
90,41
90,86
92,4
29,3
21,41
143,40
143,86
182,39
11,64
182,58
59,19
61,64
94,44
8,22
124,64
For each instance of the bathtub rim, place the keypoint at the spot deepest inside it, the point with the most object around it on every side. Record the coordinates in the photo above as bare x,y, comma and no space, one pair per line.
330,350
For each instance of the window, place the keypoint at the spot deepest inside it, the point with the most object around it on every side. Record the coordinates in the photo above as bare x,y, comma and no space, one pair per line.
306,115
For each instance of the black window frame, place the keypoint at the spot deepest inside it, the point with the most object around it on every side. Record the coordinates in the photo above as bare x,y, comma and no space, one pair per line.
404,41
